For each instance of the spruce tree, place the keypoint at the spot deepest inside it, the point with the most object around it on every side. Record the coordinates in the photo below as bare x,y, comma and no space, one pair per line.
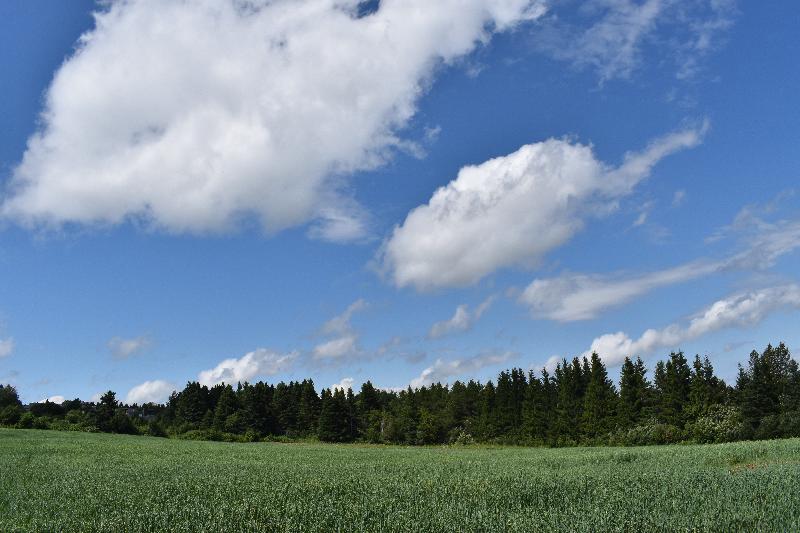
633,391
675,393
227,405
599,402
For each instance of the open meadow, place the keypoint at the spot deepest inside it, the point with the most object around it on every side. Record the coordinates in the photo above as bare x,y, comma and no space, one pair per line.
66,481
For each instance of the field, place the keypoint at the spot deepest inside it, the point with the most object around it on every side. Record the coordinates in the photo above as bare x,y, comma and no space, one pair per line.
97,482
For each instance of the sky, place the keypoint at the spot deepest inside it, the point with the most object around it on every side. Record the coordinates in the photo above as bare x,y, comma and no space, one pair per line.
398,191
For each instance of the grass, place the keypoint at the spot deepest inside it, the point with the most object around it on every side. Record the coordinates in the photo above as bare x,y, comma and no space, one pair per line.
61,481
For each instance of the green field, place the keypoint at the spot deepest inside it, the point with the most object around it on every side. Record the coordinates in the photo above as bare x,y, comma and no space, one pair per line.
61,481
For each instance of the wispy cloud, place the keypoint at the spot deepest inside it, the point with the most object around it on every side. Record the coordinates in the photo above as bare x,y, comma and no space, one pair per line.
6,347
740,310
462,320
571,297
122,348
610,36
443,370
344,341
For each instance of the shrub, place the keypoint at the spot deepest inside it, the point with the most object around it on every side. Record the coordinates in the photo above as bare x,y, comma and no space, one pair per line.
722,423
155,429
10,415
26,421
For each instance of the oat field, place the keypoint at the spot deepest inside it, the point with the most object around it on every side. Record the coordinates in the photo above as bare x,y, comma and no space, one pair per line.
60,481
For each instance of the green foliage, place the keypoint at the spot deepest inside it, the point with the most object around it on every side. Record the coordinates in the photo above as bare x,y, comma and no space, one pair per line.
720,423
10,415
9,397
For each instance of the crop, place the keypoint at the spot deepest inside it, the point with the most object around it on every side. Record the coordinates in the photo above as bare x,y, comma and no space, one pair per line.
60,481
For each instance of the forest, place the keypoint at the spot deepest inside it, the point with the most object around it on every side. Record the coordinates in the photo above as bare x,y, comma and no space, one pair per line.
576,404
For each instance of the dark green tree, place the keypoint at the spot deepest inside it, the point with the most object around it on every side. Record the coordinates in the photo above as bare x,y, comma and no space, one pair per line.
634,392
600,400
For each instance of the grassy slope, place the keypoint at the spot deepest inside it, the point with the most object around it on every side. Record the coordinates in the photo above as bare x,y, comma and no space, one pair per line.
77,481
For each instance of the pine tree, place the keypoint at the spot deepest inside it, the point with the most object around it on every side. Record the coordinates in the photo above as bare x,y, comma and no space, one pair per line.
537,408
487,427
634,391
599,401
333,422
705,389
227,405
571,385
308,412
675,392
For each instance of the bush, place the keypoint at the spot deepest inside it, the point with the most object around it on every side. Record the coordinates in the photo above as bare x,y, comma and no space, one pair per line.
722,423
121,423
10,415
155,429
769,428
460,437
790,424
652,432
26,421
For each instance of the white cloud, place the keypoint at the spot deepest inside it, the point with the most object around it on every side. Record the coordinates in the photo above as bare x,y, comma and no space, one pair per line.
678,198
462,320
344,384
96,397
345,339
6,347
571,297
341,323
514,209
197,115
54,399
443,370
261,362
157,391
337,348
739,310
610,36
124,348
765,242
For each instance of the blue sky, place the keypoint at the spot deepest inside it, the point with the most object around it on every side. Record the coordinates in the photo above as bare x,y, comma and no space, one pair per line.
199,190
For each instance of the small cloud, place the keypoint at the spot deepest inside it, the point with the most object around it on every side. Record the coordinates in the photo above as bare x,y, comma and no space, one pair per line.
6,347
260,362
462,320
344,341
54,399
125,348
157,391
341,323
442,370
337,348
678,198
344,384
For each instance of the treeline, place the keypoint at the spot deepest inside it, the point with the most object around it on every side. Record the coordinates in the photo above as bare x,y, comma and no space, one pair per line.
576,404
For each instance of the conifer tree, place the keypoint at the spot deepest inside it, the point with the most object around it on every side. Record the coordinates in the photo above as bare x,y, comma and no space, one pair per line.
634,392
227,405
600,400
675,392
